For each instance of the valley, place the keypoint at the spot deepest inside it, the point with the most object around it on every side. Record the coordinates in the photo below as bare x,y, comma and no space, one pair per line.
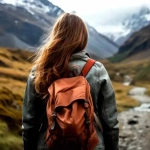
14,69
24,24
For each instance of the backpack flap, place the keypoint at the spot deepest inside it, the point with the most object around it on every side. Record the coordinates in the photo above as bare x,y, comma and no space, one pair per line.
69,100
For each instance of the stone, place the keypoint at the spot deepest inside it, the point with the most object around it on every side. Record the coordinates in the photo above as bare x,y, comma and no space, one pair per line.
133,121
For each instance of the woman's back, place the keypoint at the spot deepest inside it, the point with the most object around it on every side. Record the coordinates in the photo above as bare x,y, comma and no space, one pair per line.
63,52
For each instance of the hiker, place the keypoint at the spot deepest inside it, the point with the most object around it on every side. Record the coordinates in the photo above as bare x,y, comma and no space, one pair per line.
69,99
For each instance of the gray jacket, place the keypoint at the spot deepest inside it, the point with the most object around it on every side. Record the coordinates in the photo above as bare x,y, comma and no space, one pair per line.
34,121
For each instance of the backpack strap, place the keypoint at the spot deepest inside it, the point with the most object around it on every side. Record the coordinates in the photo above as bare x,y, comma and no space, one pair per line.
87,67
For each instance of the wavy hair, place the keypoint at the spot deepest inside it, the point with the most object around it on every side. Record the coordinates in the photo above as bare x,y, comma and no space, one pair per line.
68,35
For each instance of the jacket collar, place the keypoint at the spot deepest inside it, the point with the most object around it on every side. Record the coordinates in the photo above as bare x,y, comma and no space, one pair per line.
83,54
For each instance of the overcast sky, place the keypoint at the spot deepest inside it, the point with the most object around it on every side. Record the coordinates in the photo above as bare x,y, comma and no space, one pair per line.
104,15
101,12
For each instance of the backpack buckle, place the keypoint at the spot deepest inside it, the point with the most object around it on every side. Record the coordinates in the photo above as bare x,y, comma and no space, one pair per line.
54,115
87,121
53,125
53,120
86,103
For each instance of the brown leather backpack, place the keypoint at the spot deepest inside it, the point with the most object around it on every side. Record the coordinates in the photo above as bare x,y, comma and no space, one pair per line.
70,114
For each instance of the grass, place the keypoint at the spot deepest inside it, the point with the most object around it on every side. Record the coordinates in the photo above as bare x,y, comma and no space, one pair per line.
124,101
14,69
118,57
13,73
138,70
143,74
8,140
148,92
140,73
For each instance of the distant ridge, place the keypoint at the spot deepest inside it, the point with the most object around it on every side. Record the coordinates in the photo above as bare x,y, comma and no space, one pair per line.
27,21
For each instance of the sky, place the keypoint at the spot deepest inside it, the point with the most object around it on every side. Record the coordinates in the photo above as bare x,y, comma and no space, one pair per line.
105,16
100,13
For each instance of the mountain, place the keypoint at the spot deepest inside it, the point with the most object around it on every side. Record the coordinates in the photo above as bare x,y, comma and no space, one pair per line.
27,21
130,24
100,45
137,47
10,40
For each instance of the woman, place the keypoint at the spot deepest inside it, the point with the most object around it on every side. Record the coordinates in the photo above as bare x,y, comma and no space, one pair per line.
66,47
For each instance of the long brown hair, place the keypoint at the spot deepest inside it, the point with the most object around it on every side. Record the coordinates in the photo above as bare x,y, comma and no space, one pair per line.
69,35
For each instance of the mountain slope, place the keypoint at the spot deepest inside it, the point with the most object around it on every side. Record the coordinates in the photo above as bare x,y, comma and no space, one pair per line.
14,69
139,56
133,22
100,45
10,40
137,42
136,47
28,21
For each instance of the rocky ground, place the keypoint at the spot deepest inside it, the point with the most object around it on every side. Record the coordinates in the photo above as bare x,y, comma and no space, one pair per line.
134,131
135,124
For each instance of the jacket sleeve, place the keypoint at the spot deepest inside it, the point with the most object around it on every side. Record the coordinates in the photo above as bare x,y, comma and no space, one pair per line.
107,111
30,115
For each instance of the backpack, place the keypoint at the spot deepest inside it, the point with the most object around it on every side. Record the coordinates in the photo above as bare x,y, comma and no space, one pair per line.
70,113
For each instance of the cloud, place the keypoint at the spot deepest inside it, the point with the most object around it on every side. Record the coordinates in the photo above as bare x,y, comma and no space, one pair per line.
92,7
102,12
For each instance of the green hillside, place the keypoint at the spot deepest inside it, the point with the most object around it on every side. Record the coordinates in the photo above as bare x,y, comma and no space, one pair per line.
138,42
14,69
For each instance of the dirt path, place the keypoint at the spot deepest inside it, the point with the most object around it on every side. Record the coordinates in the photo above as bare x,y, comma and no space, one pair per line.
135,123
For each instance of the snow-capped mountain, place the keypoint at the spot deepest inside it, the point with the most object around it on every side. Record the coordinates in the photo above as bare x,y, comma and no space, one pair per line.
44,6
132,23
25,21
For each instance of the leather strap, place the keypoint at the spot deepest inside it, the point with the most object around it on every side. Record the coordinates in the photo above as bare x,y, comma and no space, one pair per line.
84,72
87,67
